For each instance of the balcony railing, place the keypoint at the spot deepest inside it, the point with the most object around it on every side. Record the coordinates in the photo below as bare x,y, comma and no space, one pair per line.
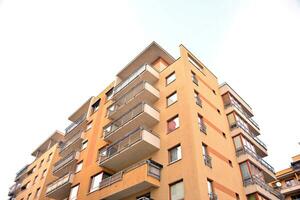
207,160
247,150
13,189
64,161
123,100
133,76
131,114
202,127
237,106
256,181
240,125
212,196
21,172
59,183
71,140
291,184
73,125
153,170
124,143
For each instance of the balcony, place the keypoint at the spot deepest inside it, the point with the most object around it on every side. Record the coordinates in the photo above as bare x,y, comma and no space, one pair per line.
245,154
21,173
232,106
141,115
66,164
14,189
71,144
259,145
227,92
60,188
141,92
294,187
254,184
136,146
145,73
74,126
139,177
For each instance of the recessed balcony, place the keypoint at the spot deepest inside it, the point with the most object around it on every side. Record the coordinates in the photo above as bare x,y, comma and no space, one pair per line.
71,144
139,177
136,146
292,188
60,188
145,73
66,164
141,92
141,115
256,185
259,145
246,153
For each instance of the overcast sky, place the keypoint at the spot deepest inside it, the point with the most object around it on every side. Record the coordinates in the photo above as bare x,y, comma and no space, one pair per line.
55,54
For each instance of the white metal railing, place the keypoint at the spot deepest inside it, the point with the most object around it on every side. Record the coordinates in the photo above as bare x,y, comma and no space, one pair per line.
58,183
73,125
130,78
123,100
126,142
247,150
153,169
64,161
67,143
254,180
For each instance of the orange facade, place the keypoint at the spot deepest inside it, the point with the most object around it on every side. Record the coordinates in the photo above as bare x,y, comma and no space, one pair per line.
164,130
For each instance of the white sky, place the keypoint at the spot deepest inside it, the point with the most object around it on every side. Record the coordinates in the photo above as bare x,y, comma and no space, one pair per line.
55,54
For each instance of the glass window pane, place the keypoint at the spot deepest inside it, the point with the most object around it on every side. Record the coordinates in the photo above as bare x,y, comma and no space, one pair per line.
177,191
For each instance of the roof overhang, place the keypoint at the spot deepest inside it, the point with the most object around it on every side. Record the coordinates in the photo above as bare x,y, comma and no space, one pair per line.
49,142
147,56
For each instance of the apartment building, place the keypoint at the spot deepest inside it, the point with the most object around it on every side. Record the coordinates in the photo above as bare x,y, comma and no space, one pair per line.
288,180
164,129
32,179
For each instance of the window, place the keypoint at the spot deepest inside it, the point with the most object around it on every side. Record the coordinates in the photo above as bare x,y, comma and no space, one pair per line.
171,99
89,126
49,157
218,111
230,163
245,171
144,197
206,157
210,189
224,135
102,152
44,174
31,171
84,144
290,183
237,196
195,63
73,193
78,167
202,126
96,179
197,98
170,78
237,143
175,154
177,191
296,197
41,163
34,180
37,193
25,186
95,106
109,94
173,123
194,78
29,195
